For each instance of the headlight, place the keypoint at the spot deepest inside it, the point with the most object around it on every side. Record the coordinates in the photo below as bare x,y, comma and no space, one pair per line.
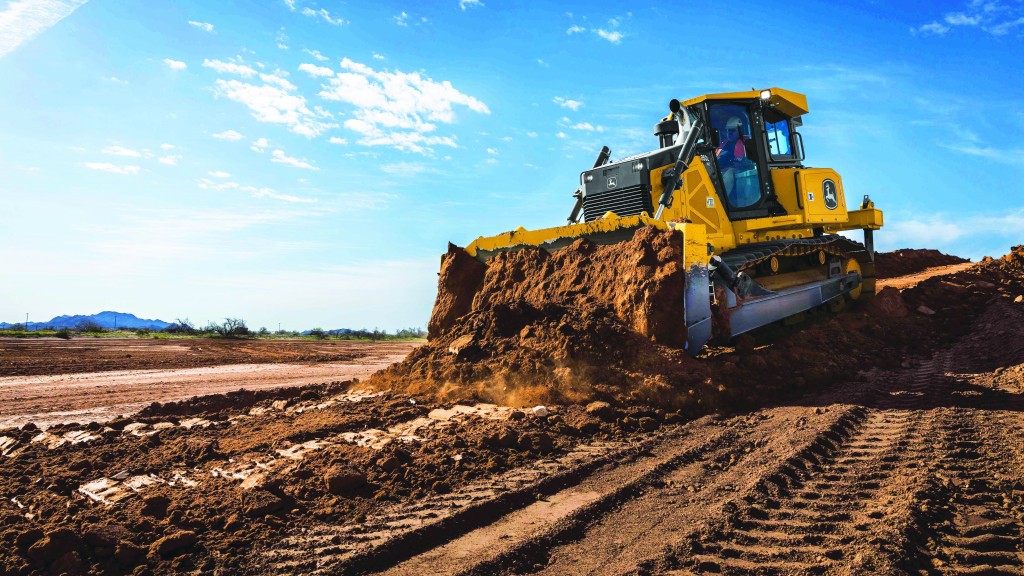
766,94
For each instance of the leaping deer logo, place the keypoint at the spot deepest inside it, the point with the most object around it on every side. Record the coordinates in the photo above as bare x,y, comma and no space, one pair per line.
828,193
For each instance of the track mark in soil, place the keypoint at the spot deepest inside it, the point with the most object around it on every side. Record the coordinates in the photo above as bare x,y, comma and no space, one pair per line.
971,515
400,532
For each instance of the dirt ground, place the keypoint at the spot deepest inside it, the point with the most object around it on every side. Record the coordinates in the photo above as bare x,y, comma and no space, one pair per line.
49,356
886,439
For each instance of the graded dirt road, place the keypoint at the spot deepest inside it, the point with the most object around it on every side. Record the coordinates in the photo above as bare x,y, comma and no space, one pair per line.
100,396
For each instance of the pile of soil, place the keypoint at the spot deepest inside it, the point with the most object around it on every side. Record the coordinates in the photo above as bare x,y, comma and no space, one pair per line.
585,322
596,322
911,260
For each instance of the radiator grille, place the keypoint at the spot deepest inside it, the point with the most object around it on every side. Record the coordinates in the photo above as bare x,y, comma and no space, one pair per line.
623,201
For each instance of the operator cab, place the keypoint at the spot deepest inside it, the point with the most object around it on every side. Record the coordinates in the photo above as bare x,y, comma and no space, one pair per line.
746,135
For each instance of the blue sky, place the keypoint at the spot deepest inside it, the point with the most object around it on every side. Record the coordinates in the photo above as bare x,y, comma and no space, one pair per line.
306,163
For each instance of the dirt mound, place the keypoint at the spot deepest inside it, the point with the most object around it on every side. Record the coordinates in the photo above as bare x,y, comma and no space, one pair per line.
585,322
910,260
640,280
594,322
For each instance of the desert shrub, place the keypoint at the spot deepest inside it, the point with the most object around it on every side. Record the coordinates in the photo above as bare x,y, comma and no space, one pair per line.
318,333
64,333
181,326
89,326
143,332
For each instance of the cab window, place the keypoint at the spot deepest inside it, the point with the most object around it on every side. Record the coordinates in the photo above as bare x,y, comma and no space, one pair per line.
778,138
734,154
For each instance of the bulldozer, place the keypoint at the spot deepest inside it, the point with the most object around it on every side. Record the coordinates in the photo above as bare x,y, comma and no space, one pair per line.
760,228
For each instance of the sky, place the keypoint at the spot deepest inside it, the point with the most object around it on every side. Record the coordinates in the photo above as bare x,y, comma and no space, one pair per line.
301,163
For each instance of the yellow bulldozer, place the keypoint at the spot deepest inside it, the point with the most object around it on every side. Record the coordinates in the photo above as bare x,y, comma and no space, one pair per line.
760,228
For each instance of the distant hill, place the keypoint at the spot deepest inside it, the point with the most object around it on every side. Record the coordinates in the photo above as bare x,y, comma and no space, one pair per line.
107,319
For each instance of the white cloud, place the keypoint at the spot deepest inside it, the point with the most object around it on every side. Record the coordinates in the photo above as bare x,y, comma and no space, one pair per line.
952,233
175,64
112,168
316,54
464,4
21,20
543,63
122,151
992,16
561,135
220,174
397,109
531,134
204,26
276,104
282,38
492,151
406,169
573,105
378,56
230,68
278,81
931,28
290,4
170,160
574,29
402,19
324,15
1006,156
961,19
316,71
279,157
336,140
207,184
270,193
613,36
167,146
229,135
259,145
587,127
491,161
1005,27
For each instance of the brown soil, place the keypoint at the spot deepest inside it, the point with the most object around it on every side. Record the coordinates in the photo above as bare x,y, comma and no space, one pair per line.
909,260
867,442
39,356
100,396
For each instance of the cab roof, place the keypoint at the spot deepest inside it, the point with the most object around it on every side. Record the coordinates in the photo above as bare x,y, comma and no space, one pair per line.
791,104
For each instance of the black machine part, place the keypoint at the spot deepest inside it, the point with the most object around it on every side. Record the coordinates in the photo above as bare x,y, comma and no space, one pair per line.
602,158
739,282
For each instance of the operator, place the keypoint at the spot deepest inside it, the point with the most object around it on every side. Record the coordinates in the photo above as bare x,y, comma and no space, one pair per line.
730,154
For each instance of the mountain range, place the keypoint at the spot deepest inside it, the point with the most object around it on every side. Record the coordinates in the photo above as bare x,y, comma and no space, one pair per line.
106,319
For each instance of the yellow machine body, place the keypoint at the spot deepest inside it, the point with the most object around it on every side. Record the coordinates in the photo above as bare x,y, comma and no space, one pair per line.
685,185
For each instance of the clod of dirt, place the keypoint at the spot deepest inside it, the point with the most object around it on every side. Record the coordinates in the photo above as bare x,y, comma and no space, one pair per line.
341,480
602,410
460,278
172,543
54,545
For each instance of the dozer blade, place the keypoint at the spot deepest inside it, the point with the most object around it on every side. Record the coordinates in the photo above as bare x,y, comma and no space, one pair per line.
608,230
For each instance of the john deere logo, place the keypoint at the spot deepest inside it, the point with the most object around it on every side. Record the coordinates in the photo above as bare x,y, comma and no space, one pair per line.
612,183
829,194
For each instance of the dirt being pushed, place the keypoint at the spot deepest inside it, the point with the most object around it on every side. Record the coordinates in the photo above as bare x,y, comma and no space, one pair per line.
909,261
588,321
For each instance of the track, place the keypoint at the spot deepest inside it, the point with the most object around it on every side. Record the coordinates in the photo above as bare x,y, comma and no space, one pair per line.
912,471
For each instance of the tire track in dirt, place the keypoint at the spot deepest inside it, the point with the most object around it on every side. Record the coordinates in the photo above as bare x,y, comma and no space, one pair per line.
522,540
